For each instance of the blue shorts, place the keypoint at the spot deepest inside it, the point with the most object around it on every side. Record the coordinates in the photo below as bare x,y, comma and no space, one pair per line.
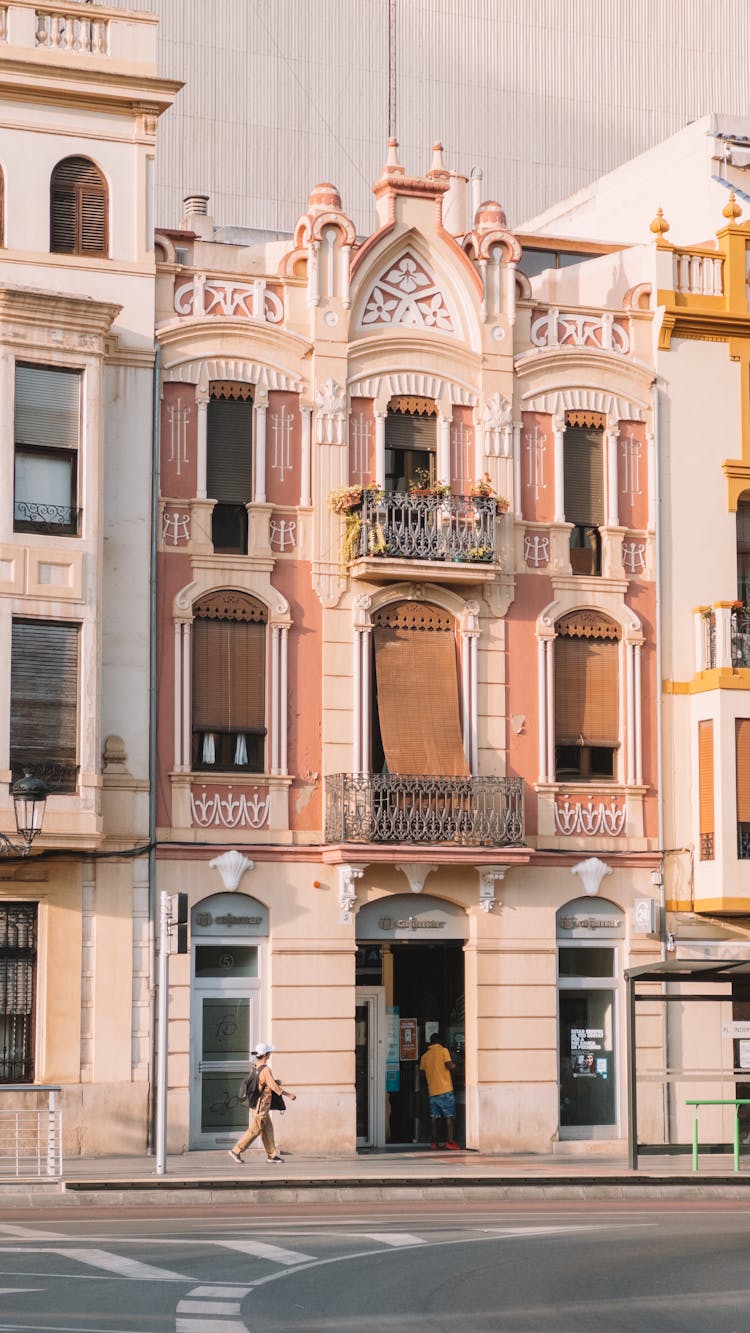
443,1104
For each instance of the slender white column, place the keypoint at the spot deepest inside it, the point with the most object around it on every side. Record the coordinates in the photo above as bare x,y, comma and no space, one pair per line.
630,720
510,291
178,695
305,485
638,716
550,675
357,719
466,696
444,450
187,703
559,436
483,276
651,480
517,500
313,273
474,728
202,444
283,698
260,453
380,448
612,519
366,742
275,728
541,657
346,252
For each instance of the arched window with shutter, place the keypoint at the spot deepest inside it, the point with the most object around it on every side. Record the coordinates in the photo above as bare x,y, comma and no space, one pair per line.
229,683
79,209
586,697
410,443
583,479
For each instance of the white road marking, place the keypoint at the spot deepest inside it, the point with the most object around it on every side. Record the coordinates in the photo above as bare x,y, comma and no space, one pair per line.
120,1264
273,1253
228,1292
210,1326
189,1306
12,1291
398,1239
30,1233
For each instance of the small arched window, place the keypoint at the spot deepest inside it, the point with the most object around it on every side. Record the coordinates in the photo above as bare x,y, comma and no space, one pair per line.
78,209
229,683
587,729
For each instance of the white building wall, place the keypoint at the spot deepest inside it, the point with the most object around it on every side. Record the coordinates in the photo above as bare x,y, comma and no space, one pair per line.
543,97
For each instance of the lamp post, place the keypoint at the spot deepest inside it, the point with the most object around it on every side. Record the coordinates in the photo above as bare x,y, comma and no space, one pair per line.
29,799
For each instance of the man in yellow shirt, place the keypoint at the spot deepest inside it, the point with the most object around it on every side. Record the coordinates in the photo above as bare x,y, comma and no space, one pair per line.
436,1065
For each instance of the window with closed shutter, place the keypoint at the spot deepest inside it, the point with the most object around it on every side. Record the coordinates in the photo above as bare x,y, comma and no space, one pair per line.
586,697
79,207
229,683
742,761
229,466
706,789
44,702
417,691
743,549
46,426
583,476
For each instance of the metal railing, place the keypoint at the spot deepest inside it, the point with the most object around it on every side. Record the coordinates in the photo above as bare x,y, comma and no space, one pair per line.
740,638
386,807
30,1136
53,520
404,526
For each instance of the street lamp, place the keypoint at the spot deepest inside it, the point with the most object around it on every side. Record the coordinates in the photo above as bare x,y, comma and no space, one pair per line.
29,799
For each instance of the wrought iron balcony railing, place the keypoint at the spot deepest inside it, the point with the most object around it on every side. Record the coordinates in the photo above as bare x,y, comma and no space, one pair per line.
404,526
740,632
53,520
384,807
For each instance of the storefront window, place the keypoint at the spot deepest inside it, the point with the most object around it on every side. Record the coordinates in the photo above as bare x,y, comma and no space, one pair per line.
587,1061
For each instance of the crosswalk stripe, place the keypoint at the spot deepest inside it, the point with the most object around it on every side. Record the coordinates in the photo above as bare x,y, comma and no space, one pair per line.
209,1325
273,1253
221,1293
13,1291
121,1264
397,1239
33,1233
189,1306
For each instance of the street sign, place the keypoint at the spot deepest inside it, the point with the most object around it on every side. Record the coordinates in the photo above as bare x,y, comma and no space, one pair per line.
735,1030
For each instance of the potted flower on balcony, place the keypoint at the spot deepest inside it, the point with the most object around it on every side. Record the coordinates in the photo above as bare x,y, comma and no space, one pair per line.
425,484
483,489
346,500
481,554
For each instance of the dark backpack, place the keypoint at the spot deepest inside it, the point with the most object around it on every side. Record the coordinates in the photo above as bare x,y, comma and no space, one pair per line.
250,1088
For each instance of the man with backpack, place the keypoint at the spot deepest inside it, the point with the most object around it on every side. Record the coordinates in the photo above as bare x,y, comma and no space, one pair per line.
259,1089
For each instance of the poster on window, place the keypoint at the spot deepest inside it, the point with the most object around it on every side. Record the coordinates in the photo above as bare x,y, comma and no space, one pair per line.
392,1066
408,1038
585,1044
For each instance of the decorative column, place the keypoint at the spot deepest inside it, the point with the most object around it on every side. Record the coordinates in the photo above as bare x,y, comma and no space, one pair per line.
275,727
517,497
366,741
550,678
637,714
651,482
346,300
558,427
305,485
313,273
283,697
612,517
444,449
630,712
261,406
541,654
187,760
380,448
201,402
510,291
178,628
473,717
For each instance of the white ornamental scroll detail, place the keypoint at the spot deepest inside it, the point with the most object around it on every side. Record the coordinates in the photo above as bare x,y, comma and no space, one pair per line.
330,413
563,328
536,549
591,818
175,527
214,297
634,557
212,810
283,533
407,293
497,422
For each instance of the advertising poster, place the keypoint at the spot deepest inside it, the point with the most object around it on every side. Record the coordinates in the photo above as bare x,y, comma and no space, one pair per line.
392,1066
408,1038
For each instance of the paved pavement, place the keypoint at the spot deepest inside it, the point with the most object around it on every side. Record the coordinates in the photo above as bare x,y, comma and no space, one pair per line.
200,1177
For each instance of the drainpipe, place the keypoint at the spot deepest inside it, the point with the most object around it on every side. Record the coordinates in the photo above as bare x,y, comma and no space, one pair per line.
153,896
666,1108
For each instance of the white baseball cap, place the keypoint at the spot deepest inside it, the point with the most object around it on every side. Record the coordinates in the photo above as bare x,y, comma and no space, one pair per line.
263,1048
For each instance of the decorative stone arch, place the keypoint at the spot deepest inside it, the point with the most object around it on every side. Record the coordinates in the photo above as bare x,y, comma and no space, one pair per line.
631,639
443,286
466,618
256,586
446,393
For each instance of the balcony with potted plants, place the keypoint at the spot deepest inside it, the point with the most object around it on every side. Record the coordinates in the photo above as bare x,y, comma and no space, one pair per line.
394,535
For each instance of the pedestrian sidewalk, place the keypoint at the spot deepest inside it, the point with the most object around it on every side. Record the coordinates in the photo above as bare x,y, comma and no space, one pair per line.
203,1177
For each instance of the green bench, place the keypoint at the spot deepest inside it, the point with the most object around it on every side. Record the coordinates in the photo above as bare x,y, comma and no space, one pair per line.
729,1101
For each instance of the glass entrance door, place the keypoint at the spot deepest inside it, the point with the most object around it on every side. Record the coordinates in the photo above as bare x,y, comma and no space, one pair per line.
225,1029
369,1065
587,1029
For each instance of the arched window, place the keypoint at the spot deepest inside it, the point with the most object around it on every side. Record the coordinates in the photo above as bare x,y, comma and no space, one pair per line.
78,209
586,697
229,452
229,683
583,480
410,443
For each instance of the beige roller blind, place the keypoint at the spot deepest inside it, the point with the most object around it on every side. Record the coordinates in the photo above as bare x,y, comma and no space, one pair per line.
229,675
417,692
586,710
706,777
742,748
583,476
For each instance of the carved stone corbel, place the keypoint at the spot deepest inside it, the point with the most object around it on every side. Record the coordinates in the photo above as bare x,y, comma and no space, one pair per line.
348,876
416,872
591,872
489,876
231,866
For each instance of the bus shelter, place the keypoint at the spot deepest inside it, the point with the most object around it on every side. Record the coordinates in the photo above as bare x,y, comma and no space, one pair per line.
697,1014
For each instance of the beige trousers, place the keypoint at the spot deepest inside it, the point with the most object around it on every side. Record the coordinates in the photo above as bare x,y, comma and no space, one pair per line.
260,1126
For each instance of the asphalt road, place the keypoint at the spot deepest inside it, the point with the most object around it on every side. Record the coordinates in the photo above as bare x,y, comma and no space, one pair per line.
528,1268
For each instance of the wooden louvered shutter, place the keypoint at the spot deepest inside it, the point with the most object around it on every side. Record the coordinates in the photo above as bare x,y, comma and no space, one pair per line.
78,209
229,676
583,476
705,784
47,411
586,694
44,694
417,697
409,431
742,751
229,449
